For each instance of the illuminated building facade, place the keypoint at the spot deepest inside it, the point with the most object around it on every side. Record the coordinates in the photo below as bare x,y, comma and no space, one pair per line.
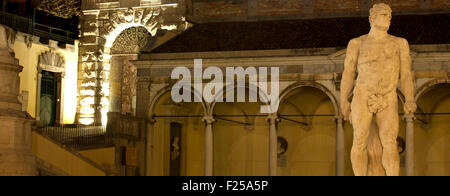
109,109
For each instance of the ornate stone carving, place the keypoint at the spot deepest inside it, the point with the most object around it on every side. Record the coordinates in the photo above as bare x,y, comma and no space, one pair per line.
131,41
129,81
148,18
51,61
116,31
380,59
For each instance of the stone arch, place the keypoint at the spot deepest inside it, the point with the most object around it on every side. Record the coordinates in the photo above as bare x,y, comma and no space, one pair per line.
149,18
429,86
316,85
164,91
96,61
422,92
247,88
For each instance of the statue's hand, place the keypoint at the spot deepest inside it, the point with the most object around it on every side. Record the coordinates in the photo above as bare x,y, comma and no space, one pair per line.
410,107
346,111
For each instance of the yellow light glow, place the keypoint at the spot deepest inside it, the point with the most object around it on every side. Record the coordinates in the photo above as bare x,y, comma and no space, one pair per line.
104,112
86,121
87,92
88,84
105,90
70,90
87,101
87,110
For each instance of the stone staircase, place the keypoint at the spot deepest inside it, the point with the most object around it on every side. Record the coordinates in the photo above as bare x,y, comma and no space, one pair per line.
56,159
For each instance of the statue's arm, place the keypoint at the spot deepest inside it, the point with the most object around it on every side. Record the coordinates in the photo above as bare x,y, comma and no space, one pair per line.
406,78
348,77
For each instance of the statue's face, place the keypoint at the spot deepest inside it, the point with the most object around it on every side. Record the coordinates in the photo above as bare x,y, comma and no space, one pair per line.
382,20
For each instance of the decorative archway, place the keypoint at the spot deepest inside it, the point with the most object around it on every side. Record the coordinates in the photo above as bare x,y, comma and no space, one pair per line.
100,30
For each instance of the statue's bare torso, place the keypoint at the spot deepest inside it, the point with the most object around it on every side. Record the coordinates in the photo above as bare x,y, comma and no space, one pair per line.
378,65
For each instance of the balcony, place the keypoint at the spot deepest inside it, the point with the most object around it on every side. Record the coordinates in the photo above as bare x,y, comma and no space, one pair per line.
27,25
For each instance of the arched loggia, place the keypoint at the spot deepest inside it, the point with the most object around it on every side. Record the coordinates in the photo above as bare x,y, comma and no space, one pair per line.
309,129
240,135
432,141
167,121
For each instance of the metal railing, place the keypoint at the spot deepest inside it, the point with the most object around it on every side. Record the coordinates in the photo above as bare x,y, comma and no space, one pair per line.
79,137
27,25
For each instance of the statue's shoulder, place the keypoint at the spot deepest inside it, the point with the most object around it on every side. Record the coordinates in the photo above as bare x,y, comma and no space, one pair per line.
398,40
356,42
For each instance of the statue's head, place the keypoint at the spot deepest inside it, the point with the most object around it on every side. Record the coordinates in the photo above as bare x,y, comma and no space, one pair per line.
380,16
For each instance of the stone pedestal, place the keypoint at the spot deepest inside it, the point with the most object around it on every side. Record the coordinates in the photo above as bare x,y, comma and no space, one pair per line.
16,158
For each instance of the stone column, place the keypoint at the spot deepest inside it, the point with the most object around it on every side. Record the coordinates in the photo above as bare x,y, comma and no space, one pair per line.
38,95
16,157
340,146
116,84
273,144
92,71
209,145
409,119
149,147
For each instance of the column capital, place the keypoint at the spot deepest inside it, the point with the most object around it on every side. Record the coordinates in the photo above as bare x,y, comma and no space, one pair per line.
409,117
273,118
339,118
208,120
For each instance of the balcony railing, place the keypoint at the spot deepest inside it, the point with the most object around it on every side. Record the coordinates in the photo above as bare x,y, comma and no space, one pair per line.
81,137
27,25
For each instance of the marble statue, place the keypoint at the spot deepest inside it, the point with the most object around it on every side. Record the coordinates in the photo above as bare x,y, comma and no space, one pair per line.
380,60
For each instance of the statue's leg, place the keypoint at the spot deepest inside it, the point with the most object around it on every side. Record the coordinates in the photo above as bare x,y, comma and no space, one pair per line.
388,123
362,119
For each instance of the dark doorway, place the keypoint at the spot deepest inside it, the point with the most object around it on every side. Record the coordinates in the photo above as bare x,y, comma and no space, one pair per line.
50,98
175,149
